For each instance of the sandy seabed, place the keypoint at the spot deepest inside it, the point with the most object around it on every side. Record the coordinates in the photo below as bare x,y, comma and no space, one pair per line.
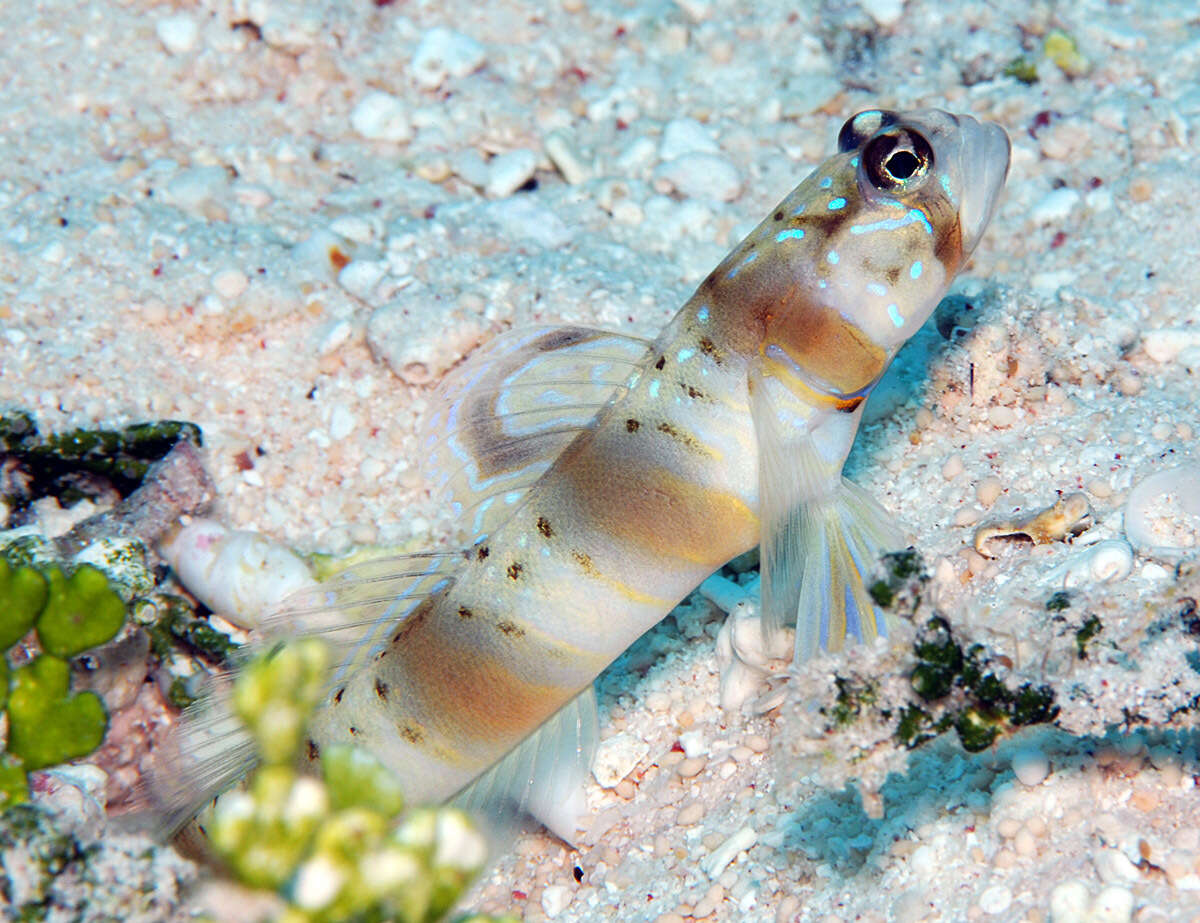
285,221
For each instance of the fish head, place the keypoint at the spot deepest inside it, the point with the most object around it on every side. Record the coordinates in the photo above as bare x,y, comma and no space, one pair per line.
920,189
854,260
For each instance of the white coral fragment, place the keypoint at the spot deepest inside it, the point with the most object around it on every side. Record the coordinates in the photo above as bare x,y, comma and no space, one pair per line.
241,575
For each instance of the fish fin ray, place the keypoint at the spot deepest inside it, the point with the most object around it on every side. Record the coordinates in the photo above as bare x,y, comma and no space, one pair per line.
822,535
500,419
544,776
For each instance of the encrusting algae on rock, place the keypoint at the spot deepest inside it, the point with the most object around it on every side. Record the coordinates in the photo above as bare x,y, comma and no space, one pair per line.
598,478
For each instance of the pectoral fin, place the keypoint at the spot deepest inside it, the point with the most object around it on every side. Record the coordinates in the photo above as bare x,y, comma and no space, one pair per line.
821,535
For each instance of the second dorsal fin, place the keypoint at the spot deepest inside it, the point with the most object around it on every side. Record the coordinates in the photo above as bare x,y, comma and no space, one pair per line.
501,419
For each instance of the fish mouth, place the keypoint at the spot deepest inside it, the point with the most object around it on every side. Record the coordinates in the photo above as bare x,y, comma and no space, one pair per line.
984,156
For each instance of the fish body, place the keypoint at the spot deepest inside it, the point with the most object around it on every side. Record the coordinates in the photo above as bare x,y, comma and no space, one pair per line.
601,478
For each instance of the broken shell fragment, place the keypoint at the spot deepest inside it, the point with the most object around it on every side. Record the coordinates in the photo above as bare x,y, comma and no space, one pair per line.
1162,514
1069,516
1104,562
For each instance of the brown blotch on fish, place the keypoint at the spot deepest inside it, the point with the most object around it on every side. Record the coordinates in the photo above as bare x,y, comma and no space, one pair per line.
411,734
691,391
778,216
709,349
353,731
314,752
543,526
465,613
1068,517
585,561
685,439
511,629
337,696
381,689
514,571
482,553
632,426
662,360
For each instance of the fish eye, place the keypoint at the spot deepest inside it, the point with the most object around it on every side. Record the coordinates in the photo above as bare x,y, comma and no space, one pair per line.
897,161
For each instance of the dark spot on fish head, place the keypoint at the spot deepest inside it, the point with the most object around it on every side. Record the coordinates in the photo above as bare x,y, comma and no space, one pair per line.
353,731
465,613
411,734
778,216
543,526
662,360
514,571
510,629
337,696
631,426
314,752
381,689
483,552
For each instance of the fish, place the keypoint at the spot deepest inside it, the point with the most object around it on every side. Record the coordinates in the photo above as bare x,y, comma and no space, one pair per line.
598,478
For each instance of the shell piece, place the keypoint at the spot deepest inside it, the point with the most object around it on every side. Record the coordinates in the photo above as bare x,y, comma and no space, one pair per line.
241,575
1104,562
1069,516
1162,514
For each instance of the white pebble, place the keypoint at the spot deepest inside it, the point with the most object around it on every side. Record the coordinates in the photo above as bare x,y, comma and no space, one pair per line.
1070,902
193,187
555,899
617,757
565,159
358,228
685,136
1104,562
699,176
381,116
1001,417
318,882
690,814
509,171
341,421
953,467
359,277
445,53
995,899
334,336
1166,344
1112,905
692,743
1056,206
720,857
230,283
1031,765
178,33
884,12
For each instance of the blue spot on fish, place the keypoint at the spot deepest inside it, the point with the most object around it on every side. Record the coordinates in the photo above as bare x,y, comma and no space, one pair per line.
894,314
702,314
837,204
876,289
799,210
654,385
854,161
684,355
750,258
832,256
915,270
826,182
792,234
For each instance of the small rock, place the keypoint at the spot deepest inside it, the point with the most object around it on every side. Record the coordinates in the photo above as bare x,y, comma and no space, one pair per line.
522,218
194,187
509,171
565,159
884,12
720,857
685,136
445,53
996,899
178,33
690,768
1070,902
1055,207
699,176
555,899
359,277
617,757
381,116
690,814
1031,766
1112,905
230,283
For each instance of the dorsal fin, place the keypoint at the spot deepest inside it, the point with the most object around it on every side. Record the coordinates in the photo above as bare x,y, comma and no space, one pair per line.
502,418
